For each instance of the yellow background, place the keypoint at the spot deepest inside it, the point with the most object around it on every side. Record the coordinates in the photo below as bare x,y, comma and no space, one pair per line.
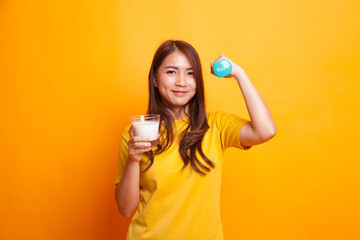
73,72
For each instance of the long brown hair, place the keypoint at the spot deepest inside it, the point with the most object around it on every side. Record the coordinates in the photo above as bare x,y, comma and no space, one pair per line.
191,138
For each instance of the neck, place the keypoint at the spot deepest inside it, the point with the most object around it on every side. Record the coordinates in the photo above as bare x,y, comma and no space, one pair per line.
179,113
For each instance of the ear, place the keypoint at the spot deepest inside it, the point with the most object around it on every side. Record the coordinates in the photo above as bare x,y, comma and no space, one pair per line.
155,83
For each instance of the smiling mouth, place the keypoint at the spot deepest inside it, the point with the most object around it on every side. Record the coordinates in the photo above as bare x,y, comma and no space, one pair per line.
179,92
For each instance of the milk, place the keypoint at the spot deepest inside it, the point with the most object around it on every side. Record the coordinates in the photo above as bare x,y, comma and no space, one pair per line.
147,129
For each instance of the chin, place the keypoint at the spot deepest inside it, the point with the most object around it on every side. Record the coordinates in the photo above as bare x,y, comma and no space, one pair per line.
176,105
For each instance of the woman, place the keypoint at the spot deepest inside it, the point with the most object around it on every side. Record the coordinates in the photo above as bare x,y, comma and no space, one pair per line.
175,186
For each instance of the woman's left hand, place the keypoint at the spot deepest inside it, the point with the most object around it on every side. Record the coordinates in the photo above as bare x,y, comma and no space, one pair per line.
235,67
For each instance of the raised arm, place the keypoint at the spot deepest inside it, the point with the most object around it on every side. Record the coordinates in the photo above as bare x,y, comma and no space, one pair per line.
262,127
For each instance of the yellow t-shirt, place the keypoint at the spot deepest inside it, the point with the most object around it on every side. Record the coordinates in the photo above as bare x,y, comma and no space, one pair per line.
176,204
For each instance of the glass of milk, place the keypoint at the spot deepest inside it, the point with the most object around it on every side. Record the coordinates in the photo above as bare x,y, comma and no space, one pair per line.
146,125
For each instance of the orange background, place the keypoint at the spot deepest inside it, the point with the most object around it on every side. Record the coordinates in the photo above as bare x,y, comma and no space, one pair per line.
73,72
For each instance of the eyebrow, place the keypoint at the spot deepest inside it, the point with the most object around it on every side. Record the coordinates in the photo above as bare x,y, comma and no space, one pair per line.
178,68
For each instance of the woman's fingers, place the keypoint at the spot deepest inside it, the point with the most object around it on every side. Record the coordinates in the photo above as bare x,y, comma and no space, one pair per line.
132,131
137,139
136,151
139,145
222,56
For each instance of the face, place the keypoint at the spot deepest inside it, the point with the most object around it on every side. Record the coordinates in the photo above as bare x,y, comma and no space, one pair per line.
175,81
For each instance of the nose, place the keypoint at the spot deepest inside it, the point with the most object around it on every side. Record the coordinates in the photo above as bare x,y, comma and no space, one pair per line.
180,80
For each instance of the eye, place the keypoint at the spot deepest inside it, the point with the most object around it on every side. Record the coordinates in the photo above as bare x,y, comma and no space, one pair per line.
171,72
190,73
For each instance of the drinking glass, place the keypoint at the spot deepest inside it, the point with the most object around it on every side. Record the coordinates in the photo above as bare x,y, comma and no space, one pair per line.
146,125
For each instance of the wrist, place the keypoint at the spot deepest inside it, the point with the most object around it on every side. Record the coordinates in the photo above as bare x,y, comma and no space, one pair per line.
132,161
238,73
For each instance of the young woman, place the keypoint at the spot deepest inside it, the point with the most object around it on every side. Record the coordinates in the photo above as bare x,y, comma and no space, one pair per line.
174,185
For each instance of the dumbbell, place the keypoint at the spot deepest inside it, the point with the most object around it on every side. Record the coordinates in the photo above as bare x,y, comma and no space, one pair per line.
222,68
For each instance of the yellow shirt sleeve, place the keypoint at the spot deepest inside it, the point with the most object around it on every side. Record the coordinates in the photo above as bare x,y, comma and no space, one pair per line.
229,126
123,155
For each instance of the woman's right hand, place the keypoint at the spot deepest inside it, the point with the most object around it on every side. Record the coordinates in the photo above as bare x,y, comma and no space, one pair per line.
137,145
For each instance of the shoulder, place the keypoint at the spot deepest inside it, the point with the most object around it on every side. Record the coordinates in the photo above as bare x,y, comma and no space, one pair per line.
215,118
218,116
223,120
125,133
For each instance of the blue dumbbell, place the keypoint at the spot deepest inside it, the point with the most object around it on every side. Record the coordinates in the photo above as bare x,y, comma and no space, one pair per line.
222,68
